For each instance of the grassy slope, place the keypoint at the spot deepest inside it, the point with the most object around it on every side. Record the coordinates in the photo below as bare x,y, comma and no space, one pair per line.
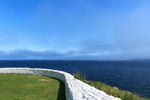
115,92
109,90
29,87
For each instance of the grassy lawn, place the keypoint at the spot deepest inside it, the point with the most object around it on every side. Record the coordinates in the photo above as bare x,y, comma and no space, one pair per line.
30,87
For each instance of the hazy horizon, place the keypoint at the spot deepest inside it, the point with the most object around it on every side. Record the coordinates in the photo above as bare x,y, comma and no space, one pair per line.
74,30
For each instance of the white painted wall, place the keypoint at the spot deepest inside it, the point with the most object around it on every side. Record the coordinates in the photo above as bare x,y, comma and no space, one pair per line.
75,89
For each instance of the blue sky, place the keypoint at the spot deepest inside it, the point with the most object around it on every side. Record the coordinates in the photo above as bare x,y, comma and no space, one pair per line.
75,29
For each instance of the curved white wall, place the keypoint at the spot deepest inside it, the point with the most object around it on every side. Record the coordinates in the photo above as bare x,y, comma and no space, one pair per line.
75,89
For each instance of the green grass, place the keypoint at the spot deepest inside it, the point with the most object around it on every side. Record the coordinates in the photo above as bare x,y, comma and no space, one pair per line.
109,90
30,87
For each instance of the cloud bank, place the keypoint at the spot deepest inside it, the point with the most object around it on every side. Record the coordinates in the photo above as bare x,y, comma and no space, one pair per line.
70,55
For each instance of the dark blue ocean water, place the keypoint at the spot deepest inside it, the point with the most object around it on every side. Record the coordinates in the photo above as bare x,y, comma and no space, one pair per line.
133,76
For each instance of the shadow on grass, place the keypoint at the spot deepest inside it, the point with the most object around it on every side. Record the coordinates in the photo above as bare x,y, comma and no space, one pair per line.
61,93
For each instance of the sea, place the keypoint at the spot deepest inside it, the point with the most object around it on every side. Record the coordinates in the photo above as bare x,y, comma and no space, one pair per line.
133,76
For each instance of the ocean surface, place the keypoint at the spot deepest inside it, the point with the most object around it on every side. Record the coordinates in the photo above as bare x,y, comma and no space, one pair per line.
133,76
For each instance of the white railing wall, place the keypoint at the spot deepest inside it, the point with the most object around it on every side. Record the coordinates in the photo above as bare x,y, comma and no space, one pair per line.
74,88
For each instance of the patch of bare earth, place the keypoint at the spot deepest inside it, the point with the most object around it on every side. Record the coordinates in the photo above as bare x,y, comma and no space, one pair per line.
43,80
